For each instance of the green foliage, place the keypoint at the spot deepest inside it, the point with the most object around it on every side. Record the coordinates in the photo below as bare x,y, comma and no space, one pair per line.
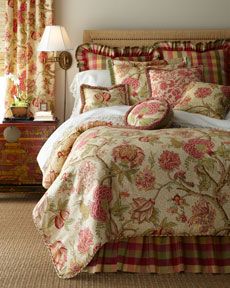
175,143
208,163
188,161
154,217
50,222
118,208
62,204
88,148
166,225
223,151
121,174
205,183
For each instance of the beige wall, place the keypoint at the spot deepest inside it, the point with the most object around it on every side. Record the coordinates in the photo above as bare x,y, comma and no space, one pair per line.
128,14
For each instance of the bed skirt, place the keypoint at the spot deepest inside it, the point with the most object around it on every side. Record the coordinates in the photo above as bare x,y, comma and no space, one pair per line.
200,254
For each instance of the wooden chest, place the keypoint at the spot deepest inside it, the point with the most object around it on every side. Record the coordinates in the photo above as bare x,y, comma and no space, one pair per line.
20,143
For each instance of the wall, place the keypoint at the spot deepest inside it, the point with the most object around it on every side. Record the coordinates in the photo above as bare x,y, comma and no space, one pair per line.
77,16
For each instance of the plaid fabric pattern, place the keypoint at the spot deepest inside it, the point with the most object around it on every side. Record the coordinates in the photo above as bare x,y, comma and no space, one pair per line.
214,56
212,62
189,46
200,254
95,56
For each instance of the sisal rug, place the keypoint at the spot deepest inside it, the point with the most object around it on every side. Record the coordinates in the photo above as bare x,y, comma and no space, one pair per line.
25,261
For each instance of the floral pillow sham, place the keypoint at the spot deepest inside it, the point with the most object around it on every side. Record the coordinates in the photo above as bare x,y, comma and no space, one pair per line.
93,97
134,74
149,114
208,99
170,84
91,77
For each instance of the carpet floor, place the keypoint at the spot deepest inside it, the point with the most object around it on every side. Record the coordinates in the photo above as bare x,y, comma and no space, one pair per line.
25,262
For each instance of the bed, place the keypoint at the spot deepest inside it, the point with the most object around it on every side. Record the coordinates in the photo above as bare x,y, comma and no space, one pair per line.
127,195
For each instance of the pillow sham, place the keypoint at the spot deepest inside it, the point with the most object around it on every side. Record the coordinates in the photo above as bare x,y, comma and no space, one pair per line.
95,97
170,84
212,62
90,77
149,114
96,56
208,99
134,74
213,56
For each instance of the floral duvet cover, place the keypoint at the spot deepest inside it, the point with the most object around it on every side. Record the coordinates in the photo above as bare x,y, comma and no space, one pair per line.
109,183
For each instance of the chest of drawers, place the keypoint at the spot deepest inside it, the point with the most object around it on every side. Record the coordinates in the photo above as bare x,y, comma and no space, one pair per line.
20,143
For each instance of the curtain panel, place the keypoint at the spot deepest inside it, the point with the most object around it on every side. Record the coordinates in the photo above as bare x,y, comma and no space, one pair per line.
2,25
25,22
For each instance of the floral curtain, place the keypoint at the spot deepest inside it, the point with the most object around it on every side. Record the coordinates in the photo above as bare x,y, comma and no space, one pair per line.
2,25
25,23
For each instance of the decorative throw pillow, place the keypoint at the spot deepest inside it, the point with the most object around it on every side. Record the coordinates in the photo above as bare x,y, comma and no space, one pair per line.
91,77
171,84
133,74
95,97
150,114
208,99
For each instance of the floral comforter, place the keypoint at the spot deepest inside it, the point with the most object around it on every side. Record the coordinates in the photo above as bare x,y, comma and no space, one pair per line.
108,183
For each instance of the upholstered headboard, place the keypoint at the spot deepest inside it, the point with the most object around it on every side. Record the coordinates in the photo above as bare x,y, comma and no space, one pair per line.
148,37
139,45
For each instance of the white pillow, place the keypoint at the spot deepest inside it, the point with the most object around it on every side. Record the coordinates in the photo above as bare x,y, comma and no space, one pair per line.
227,117
91,77
187,119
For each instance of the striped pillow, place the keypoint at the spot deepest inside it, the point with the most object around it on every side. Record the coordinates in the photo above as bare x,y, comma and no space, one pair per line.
214,56
96,56
213,63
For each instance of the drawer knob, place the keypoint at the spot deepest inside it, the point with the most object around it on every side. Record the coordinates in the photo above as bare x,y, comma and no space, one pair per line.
11,134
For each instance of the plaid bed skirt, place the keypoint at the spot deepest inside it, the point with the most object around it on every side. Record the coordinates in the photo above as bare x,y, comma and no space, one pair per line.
200,254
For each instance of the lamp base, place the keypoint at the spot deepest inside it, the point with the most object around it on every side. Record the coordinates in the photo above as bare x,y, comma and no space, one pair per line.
65,60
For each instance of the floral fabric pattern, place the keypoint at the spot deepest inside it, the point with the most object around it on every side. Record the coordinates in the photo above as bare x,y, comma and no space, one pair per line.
95,97
157,183
25,23
134,74
171,84
206,98
149,114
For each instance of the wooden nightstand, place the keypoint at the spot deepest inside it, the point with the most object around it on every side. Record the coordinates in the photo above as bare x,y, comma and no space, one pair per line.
20,143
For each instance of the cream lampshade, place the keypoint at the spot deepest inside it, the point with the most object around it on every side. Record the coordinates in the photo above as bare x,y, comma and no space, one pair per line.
55,38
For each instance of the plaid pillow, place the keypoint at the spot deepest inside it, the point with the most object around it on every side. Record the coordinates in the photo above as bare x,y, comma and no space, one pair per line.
95,56
213,56
212,62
